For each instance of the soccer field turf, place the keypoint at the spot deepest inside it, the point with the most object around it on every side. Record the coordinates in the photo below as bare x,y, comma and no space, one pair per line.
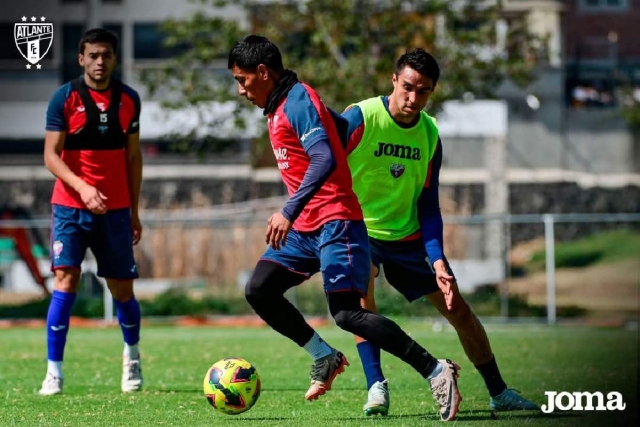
533,359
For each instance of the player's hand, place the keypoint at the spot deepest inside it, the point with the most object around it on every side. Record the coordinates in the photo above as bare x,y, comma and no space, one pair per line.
93,199
136,227
445,281
277,230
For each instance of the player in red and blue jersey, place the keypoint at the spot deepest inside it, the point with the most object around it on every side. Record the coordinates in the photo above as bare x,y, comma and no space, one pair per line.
320,228
397,185
92,146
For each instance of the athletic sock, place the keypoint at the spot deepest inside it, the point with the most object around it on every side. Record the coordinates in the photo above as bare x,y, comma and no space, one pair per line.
492,378
129,318
58,324
55,369
317,347
370,357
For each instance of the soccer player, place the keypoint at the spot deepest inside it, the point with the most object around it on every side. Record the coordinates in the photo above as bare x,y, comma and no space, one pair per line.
395,155
320,228
92,146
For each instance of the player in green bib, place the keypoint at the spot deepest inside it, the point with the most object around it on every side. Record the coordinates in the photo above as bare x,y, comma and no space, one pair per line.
395,155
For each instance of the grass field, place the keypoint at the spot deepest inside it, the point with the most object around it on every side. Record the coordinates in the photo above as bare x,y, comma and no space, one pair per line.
532,358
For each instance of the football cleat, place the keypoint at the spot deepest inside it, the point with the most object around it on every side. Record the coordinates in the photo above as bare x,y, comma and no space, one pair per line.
51,385
444,389
131,375
323,372
510,400
378,399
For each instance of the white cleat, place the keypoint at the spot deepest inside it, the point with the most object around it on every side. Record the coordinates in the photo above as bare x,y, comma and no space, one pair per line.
378,399
131,375
51,385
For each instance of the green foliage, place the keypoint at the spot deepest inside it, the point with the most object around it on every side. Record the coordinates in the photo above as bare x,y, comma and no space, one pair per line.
176,302
599,248
309,298
629,102
344,48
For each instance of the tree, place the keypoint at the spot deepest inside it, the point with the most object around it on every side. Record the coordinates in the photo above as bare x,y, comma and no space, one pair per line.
347,48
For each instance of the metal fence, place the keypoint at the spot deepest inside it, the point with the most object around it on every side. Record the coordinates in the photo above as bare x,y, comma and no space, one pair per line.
219,247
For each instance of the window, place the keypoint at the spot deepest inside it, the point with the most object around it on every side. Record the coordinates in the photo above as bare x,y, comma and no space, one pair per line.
148,43
71,35
599,5
8,49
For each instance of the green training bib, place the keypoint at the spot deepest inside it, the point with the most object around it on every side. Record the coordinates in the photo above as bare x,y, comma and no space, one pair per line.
389,168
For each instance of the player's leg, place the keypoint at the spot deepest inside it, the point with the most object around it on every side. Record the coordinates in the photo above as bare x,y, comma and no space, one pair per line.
378,399
112,245
68,235
477,347
345,268
275,273
407,270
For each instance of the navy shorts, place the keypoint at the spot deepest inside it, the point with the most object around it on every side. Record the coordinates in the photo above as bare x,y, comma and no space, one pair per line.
405,266
339,249
109,237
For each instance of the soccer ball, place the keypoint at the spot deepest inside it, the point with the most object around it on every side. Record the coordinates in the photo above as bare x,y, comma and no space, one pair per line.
232,385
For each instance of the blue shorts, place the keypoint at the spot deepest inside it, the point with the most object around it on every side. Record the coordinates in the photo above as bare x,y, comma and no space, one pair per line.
339,249
405,266
109,237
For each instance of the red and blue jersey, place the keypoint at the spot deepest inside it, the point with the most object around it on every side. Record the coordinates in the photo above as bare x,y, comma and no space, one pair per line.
101,166
300,124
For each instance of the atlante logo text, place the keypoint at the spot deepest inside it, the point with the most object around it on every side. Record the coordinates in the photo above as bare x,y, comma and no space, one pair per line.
582,401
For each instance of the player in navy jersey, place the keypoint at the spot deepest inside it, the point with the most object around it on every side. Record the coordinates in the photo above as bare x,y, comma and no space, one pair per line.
92,146
320,228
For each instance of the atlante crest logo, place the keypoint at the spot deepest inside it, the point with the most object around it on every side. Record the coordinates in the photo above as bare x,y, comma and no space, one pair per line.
33,39
396,170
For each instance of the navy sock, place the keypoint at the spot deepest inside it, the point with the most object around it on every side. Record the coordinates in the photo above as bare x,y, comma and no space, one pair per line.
370,357
492,378
129,318
58,324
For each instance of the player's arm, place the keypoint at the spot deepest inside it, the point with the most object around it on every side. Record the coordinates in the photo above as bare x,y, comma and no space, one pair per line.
134,155
431,228
305,120
134,168
355,127
429,215
321,164
53,146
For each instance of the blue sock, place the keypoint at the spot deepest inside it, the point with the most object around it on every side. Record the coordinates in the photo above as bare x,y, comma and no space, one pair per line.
129,318
317,347
370,357
58,324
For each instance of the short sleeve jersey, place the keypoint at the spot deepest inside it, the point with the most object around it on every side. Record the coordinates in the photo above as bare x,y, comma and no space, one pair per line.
299,122
105,169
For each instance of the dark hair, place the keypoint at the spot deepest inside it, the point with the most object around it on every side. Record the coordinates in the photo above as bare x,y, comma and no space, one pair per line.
98,35
253,50
421,61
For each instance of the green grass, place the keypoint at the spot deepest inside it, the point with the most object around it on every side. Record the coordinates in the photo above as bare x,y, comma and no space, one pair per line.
532,359
604,247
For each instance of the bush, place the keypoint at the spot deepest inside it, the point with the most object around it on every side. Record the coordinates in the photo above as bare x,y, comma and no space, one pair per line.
310,299
601,247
